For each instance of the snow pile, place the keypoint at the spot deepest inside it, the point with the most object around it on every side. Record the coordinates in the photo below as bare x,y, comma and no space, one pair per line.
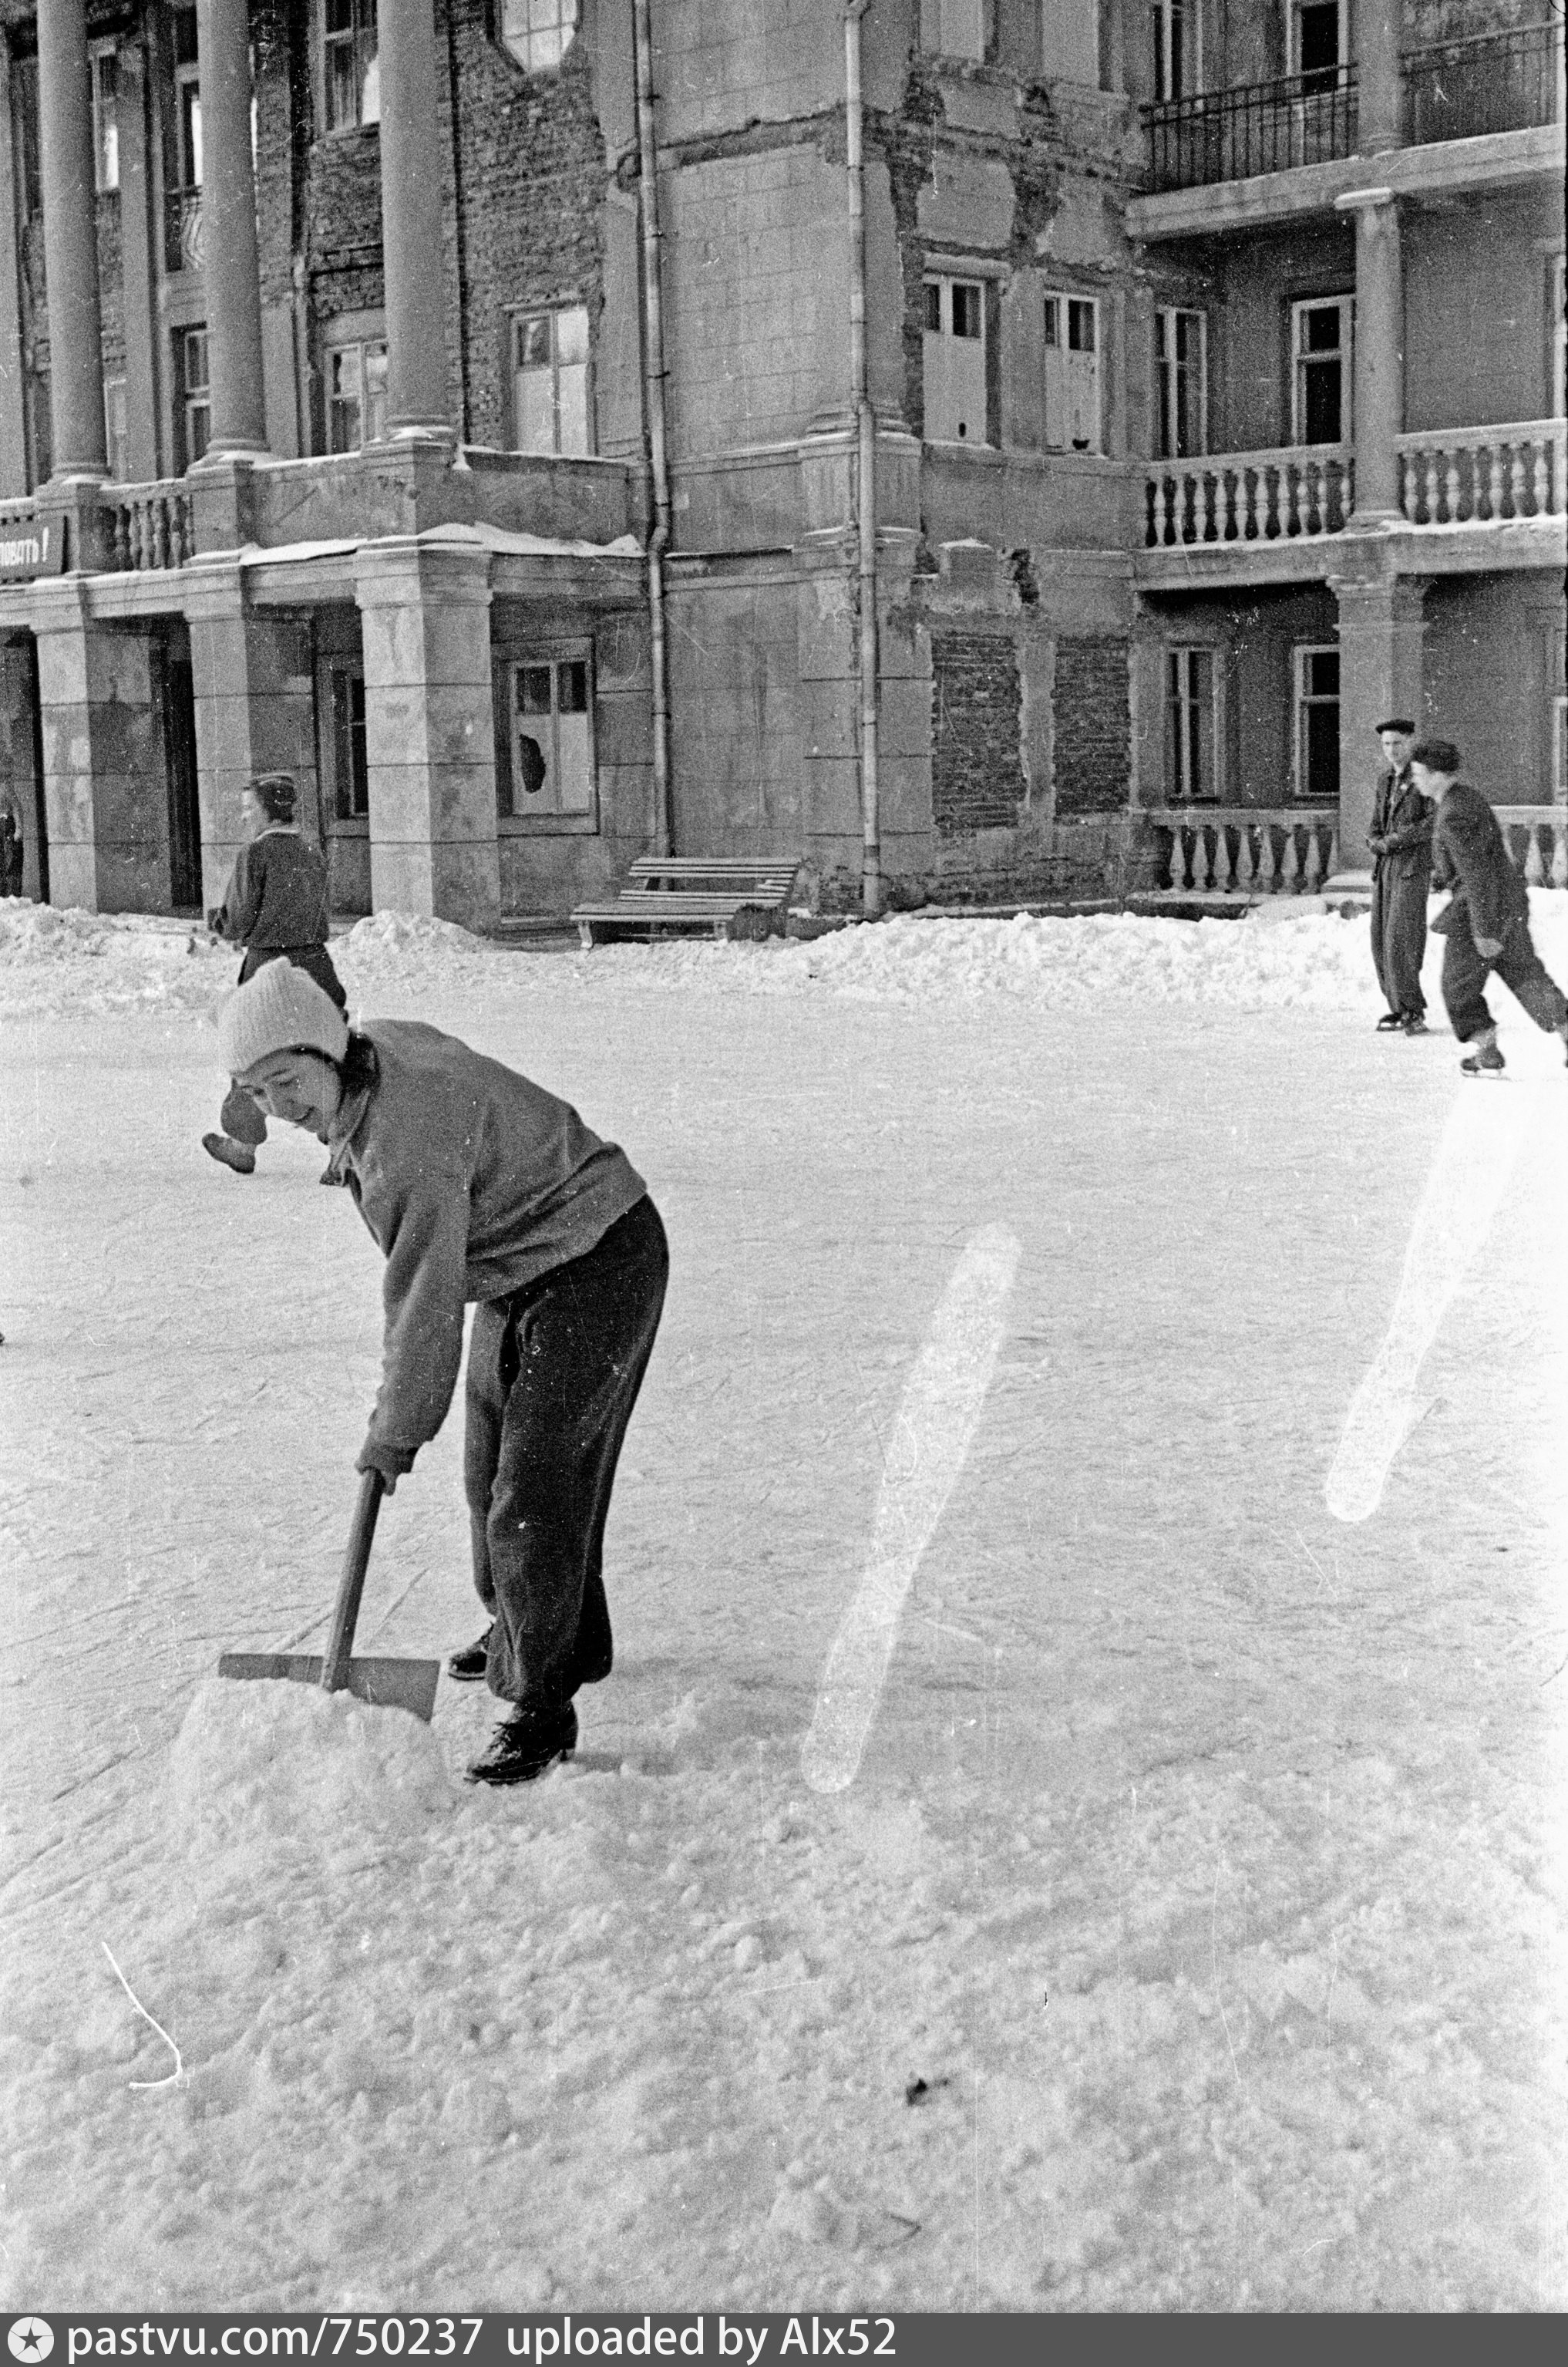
257,1762
58,961
408,949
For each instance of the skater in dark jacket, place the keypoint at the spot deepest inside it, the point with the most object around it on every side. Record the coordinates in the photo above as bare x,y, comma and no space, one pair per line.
1486,924
276,906
1400,842
478,1185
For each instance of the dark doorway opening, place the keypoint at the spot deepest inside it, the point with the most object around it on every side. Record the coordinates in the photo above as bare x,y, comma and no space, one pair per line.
179,755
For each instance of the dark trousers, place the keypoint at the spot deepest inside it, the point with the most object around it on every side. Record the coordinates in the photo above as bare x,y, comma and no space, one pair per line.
553,1375
1399,938
242,1116
1519,966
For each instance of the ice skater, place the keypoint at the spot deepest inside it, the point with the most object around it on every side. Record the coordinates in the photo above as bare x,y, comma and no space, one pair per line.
478,1184
1485,926
1400,842
276,906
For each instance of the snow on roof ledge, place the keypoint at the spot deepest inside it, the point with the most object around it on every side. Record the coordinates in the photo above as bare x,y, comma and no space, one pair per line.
499,540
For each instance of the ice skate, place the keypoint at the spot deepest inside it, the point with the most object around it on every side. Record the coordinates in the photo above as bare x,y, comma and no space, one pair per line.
1485,1061
236,1155
466,1667
1414,1024
524,1744
1390,1024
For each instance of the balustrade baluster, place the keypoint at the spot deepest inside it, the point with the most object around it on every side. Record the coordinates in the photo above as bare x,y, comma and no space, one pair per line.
139,535
1268,869
121,537
1205,849
1244,868
1559,829
1429,459
1291,486
1541,486
1451,485
1178,857
179,535
1290,871
1409,499
1517,479
159,531
1313,880
1535,871
1332,865
1484,469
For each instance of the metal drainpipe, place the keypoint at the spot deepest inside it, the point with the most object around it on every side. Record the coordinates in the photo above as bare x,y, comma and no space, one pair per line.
662,819
866,501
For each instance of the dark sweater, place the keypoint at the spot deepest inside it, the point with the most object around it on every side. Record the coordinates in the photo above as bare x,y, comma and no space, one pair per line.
276,896
1471,855
474,1181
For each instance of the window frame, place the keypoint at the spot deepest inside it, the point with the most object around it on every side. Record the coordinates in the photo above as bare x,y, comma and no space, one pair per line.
1069,298
364,340
345,808
945,284
1344,353
1304,702
532,64
1167,365
1164,15
190,146
196,397
363,34
117,439
555,820
1177,706
105,115
1293,66
554,310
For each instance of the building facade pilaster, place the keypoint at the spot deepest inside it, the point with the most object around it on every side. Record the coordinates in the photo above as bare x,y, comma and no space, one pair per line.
70,242
104,780
1380,99
230,266
1381,623
13,422
429,730
1379,400
252,678
137,188
412,246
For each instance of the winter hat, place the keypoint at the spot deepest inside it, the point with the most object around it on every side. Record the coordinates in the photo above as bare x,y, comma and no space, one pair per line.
1396,723
281,1009
277,793
1437,755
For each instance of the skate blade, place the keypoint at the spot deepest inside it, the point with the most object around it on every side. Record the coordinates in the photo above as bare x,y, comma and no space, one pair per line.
385,1684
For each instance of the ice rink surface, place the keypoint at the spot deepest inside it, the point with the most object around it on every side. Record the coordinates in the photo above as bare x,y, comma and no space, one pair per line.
1190,1935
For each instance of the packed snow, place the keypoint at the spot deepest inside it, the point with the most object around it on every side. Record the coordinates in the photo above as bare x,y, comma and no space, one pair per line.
1191,1933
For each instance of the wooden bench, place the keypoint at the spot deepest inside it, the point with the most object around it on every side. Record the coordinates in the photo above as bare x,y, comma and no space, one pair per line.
718,895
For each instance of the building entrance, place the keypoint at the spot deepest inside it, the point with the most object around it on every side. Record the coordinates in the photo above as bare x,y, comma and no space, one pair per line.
179,754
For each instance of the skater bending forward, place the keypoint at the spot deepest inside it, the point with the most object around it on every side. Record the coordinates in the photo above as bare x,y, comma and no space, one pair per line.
478,1184
1485,926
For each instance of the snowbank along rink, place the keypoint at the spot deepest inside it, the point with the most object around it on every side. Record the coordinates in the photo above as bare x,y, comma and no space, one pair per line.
1187,1933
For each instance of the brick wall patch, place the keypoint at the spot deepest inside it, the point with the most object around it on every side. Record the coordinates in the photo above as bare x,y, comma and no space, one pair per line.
1093,724
976,770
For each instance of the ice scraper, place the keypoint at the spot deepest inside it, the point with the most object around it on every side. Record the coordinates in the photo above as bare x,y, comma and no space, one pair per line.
390,1684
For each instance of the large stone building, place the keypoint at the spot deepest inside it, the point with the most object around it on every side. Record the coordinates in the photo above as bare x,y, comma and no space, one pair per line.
988,447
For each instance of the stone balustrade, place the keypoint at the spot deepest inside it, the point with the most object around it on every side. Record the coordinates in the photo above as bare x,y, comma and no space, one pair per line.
1468,476
1538,841
146,527
1297,490
1249,850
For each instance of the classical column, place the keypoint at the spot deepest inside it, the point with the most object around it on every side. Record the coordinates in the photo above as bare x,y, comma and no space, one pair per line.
252,676
105,782
1379,404
411,222
231,265
1381,626
1379,107
70,242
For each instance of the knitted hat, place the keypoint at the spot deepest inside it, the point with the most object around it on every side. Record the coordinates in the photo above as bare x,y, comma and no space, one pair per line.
281,1009
276,794
1437,755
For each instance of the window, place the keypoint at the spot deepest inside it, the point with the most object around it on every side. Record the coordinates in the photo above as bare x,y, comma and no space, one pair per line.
1182,374
188,95
549,380
953,29
1190,738
537,32
1322,333
1176,37
353,65
105,115
1317,43
351,774
549,756
196,393
114,427
357,395
956,361
1072,374
1317,725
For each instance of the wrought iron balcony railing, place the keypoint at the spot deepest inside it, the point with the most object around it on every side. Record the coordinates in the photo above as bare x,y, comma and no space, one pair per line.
1257,127
1494,82
182,230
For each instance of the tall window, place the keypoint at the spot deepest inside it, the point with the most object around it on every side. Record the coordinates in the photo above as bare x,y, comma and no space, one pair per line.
550,739
549,380
353,65
953,29
351,773
356,394
1072,373
196,393
954,367
1191,771
1181,375
114,426
1317,725
1322,335
105,115
1317,43
188,99
537,32
1176,37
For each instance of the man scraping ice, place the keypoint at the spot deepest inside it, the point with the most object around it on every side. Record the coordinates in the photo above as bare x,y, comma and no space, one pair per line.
478,1184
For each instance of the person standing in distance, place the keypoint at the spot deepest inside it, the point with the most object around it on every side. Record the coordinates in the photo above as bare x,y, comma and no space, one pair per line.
477,1185
1485,927
276,906
1401,841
